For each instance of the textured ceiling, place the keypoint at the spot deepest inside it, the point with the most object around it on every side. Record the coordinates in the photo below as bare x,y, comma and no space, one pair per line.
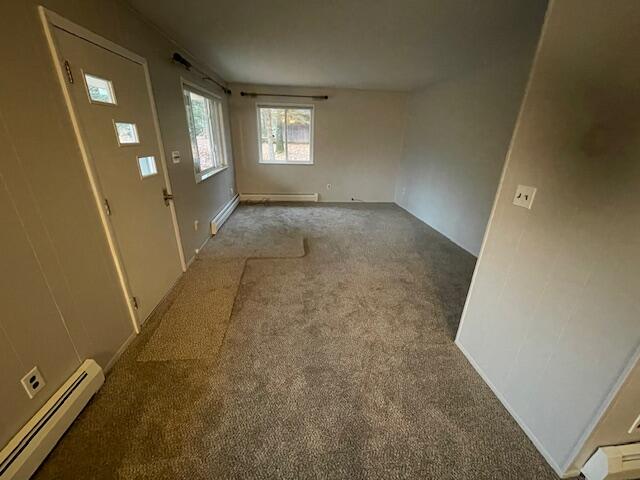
375,44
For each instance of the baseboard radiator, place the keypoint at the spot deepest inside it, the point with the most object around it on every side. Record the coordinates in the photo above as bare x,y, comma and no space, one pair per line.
225,213
278,197
614,463
29,447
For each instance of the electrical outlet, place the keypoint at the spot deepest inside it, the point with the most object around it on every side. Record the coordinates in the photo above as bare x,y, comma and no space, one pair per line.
524,196
329,186
196,224
33,382
635,428
175,156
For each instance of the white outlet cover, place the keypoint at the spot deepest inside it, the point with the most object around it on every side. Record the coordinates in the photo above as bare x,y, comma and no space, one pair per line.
524,196
33,382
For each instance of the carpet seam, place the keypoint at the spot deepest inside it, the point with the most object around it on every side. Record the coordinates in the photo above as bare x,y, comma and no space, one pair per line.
217,356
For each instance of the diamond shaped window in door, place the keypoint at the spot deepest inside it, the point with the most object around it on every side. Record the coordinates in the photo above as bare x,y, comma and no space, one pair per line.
127,133
100,90
147,166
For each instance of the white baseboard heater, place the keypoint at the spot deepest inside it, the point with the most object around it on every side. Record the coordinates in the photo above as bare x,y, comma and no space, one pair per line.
620,462
29,447
225,213
278,197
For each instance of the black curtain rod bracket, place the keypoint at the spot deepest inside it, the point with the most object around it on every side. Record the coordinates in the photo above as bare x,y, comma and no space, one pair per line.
256,94
177,58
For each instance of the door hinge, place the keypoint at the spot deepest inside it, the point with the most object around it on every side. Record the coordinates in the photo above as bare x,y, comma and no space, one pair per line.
107,207
67,68
166,196
134,300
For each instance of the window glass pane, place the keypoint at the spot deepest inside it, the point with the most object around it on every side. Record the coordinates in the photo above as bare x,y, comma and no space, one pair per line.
272,134
204,117
285,134
299,135
202,133
127,133
147,166
216,120
100,90
192,130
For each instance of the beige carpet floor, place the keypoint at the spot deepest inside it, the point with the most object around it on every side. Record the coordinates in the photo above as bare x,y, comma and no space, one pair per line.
306,341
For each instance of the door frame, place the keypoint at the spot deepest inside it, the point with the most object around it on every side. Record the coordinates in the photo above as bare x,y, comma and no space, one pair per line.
52,20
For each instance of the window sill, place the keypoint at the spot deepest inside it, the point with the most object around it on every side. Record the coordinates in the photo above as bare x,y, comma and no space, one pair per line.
201,177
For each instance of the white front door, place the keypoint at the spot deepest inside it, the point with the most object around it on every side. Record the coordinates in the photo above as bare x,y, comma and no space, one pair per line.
113,107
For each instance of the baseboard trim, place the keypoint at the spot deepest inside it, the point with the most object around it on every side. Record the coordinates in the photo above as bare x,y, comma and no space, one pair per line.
198,250
119,353
223,214
278,197
215,224
446,235
516,417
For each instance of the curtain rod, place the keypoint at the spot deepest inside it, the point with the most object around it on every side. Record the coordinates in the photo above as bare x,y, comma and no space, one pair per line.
255,94
177,58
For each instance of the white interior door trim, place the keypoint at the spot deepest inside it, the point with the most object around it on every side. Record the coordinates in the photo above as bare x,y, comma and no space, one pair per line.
49,20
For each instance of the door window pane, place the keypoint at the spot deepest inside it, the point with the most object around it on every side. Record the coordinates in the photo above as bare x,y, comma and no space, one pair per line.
100,90
147,166
127,133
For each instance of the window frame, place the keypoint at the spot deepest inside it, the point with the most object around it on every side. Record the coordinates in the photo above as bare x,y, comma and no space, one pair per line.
286,106
186,86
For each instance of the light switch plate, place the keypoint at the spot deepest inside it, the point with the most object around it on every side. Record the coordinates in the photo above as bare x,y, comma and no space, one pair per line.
175,156
524,196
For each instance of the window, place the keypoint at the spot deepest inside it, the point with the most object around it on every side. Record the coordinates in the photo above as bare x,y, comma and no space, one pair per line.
286,134
147,166
127,133
100,90
204,116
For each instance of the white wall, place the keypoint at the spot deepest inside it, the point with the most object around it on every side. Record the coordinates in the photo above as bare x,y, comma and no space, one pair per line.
456,139
357,137
552,315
